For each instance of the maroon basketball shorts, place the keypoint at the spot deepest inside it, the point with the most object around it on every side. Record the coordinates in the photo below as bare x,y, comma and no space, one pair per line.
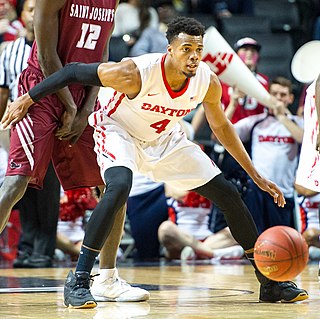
33,143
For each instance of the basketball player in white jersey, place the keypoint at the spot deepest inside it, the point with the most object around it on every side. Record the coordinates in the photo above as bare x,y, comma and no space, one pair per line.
308,172
139,131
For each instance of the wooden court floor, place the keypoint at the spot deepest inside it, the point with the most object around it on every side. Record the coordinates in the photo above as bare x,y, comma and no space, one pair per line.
186,291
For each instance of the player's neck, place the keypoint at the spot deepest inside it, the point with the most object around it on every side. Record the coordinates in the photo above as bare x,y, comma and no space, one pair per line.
176,80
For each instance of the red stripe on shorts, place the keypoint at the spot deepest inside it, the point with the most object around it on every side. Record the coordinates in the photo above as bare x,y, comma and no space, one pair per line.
116,105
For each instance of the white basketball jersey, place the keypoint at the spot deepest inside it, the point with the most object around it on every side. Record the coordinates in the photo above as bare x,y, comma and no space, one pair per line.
308,173
274,151
156,109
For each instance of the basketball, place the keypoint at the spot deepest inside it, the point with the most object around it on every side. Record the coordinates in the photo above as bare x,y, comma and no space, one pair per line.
281,253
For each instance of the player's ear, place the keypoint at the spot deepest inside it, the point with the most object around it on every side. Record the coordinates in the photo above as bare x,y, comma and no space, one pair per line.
169,49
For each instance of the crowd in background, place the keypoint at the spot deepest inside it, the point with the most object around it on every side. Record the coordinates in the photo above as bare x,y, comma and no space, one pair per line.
163,222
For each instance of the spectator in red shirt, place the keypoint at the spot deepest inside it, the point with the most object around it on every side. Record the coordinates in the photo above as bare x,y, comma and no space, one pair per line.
237,105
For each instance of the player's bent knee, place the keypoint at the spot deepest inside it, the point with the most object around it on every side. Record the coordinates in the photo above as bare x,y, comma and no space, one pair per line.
118,179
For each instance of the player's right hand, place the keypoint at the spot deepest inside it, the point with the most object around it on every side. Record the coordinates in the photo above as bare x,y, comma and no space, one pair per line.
17,110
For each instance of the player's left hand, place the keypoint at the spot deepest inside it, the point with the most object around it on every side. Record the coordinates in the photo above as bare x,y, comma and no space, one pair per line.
79,124
272,189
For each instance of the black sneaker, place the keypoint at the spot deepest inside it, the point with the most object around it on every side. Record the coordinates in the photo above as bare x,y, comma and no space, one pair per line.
22,260
77,291
286,291
39,261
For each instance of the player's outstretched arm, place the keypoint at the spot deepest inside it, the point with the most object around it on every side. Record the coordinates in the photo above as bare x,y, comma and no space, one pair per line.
70,73
226,134
123,76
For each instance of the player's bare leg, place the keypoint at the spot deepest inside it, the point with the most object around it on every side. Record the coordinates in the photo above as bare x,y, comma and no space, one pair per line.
108,254
11,192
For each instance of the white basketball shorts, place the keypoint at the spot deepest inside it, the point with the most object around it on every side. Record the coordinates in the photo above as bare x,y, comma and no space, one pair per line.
171,158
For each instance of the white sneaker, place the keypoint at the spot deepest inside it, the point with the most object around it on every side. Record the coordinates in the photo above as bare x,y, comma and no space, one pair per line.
187,253
232,252
108,286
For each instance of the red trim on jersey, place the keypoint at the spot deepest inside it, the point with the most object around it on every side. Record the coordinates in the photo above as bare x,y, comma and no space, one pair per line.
95,120
172,214
116,105
304,219
172,94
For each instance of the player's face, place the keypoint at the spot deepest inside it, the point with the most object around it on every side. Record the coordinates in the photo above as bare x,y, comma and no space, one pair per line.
186,52
281,93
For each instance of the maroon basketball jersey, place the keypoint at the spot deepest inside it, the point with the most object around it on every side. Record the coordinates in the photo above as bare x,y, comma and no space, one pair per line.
85,26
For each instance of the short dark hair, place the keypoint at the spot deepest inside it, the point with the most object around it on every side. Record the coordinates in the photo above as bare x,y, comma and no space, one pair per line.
283,82
185,25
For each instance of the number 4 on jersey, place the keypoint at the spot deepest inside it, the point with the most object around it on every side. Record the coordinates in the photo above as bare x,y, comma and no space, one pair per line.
160,126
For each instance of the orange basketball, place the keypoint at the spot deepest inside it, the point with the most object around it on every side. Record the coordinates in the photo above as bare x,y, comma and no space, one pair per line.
281,253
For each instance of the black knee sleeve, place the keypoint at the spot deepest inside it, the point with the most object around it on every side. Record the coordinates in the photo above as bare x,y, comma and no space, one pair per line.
226,197
118,185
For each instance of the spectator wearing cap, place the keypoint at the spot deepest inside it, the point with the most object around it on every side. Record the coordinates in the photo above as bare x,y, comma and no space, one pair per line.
237,105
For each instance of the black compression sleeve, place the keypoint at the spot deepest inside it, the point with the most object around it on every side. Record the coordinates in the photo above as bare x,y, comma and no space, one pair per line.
82,73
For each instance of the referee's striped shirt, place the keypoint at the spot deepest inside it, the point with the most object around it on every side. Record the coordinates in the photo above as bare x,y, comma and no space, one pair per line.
13,61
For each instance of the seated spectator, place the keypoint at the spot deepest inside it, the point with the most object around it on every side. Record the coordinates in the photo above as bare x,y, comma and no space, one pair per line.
74,204
309,204
275,140
186,235
154,39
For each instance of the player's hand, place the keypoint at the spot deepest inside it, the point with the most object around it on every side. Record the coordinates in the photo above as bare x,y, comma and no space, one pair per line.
272,189
79,124
67,120
17,110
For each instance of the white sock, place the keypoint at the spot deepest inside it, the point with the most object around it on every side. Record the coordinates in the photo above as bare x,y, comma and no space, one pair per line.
105,274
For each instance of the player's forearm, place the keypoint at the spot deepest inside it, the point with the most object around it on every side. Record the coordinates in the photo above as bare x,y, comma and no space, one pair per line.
91,96
85,74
